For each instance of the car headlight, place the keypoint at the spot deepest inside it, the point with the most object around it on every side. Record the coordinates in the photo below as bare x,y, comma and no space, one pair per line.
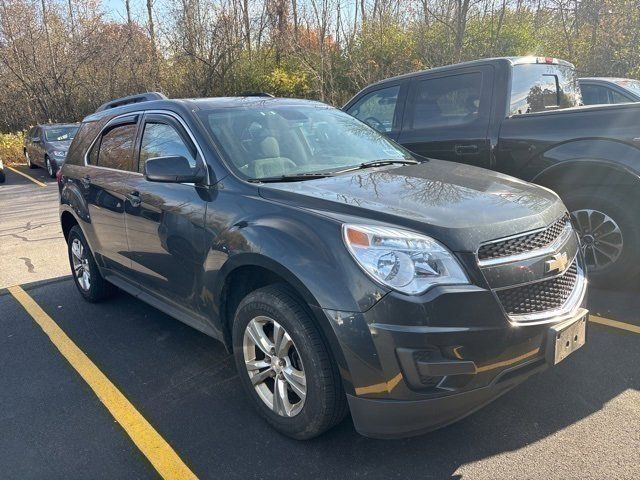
60,153
402,260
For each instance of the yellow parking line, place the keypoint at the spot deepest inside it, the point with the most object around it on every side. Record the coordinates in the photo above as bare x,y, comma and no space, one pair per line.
164,459
37,182
614,323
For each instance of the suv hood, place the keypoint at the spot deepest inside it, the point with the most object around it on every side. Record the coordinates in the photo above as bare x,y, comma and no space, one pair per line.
460,205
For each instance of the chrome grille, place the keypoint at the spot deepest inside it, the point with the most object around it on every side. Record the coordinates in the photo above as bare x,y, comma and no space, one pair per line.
523,243
541,296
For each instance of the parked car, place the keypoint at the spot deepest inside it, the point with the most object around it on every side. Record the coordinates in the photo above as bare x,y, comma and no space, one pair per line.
520,116
341,271
46,146
2,176
609,90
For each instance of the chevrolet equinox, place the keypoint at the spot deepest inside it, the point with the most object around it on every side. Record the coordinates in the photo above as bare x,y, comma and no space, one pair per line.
343,272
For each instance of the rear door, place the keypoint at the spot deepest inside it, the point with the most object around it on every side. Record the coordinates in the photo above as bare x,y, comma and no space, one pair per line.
165,221
34,147
105,183
447,115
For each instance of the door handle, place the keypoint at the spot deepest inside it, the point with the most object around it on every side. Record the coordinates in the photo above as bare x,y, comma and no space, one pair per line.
134,198
465,149
85,181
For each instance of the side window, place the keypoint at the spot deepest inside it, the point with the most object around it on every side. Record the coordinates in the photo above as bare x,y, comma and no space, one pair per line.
376,109
116,147
617,97
446,101
594,94
163,140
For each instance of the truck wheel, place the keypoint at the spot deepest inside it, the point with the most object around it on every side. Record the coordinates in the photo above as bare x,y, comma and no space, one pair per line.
609,234
284,364
91,285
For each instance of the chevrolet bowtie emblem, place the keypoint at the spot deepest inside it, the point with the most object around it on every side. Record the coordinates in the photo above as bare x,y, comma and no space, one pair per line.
558,263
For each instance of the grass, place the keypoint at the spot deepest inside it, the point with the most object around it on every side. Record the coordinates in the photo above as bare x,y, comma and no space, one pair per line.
11,147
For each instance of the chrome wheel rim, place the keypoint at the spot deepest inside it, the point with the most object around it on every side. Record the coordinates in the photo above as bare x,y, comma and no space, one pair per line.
274,366
80,264
49,168
600,238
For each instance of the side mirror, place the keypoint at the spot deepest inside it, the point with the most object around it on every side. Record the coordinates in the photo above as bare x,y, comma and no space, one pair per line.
35,139
172,170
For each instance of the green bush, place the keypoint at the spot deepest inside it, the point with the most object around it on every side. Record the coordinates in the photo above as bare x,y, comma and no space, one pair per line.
11,147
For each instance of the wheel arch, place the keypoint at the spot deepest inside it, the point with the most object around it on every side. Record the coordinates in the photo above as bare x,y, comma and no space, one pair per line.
251,271
589,173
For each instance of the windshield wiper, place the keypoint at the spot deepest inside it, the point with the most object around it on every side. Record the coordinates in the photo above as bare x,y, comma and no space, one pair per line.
378,163
291,177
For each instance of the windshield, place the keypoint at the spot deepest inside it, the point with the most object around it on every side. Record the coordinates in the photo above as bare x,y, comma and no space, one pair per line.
289,140
60,134
539,87
632,85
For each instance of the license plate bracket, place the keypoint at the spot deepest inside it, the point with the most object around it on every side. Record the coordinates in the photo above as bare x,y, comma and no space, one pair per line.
565,338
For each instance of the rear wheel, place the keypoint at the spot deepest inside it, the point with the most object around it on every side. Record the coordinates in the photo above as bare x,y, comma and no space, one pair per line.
284,364
609,235
91,285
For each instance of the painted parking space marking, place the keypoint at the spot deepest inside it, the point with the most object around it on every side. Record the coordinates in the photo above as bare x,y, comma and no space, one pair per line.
161,455
614,323
37,182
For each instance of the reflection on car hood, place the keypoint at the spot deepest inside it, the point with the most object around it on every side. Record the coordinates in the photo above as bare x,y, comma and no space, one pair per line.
460,205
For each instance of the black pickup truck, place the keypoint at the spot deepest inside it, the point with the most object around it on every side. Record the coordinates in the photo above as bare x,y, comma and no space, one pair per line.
523,116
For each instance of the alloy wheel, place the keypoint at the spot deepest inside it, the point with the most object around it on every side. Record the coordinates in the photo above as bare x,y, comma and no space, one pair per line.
49,167
274,366
600,237
80,264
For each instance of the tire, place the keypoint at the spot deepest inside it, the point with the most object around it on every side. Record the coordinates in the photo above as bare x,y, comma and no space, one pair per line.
614,233
51,171
96,288
2,176
31,165
324,404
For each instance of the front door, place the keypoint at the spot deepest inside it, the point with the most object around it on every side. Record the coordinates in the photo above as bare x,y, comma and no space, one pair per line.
447,116
104,183
165,221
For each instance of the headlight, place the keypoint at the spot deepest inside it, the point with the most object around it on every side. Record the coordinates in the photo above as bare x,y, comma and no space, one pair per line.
60,153
405,261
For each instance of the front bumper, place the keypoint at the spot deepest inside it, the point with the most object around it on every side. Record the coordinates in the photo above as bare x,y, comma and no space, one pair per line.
415,364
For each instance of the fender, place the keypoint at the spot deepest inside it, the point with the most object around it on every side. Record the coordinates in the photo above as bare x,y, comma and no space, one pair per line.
587,153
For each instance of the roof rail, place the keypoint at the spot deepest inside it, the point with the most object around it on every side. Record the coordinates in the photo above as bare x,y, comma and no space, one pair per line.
141,97
257,94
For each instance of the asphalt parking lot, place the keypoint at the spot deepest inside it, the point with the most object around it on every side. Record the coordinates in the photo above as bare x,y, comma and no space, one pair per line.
579,420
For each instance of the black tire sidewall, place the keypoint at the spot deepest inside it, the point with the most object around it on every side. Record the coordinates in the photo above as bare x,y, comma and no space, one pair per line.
98,288
311,420
620,211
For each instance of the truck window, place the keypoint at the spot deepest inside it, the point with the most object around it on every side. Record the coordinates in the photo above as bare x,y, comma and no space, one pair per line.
377,109
446,101
538,87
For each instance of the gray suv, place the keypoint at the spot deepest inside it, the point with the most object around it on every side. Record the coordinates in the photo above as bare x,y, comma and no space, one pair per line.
47,145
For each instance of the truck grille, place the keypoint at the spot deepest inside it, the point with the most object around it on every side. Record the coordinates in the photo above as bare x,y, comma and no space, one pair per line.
523,243
541,296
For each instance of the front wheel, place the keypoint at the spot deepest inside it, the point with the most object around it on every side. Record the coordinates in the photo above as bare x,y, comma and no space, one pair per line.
284,364
50,170
609,234
29,164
